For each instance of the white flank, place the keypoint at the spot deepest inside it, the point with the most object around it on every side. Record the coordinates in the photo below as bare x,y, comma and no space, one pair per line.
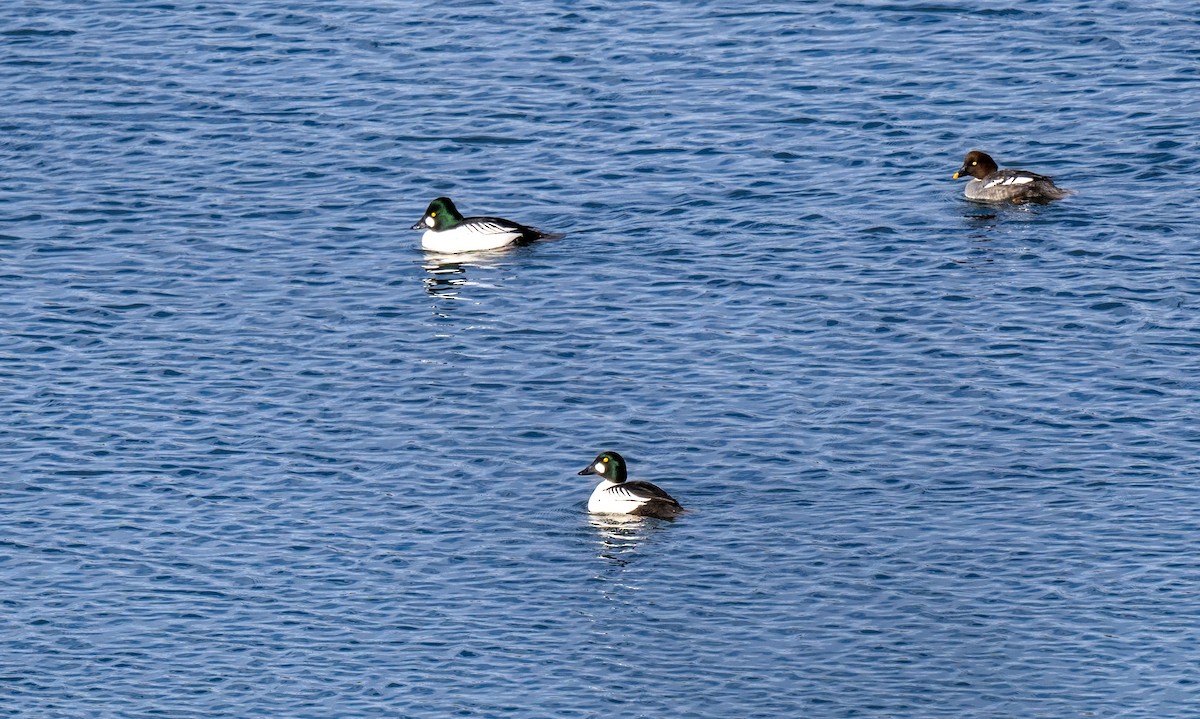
467,238
617,501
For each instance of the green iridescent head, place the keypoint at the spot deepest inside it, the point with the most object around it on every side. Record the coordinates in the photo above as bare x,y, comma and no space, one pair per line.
440,215
609,465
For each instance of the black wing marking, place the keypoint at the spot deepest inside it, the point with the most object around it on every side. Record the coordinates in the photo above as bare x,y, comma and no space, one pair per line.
497,225
491,226
654,501
643,490
1015,178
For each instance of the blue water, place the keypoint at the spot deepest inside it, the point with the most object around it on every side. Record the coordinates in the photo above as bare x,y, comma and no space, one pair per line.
262,457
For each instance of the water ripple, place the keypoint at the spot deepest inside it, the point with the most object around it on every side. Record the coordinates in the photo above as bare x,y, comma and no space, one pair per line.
264,456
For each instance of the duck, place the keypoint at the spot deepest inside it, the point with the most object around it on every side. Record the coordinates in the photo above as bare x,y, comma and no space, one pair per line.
617,495
991,184
447,231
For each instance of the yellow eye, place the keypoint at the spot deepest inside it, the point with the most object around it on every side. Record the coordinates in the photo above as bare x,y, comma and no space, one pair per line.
434,214
605,460
973,163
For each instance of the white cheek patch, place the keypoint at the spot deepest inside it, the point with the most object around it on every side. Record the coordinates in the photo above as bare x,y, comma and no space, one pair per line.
599,468
428,221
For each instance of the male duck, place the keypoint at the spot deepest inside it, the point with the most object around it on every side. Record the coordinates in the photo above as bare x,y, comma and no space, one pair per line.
616,495
991,184
446,230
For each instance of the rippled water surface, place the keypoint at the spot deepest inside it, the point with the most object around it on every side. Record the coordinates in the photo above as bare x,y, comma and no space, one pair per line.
262,456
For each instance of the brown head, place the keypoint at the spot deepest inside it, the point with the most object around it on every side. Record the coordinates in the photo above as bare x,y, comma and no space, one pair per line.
977,164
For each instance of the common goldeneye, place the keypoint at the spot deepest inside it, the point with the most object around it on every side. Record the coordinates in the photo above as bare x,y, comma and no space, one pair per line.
990,184
446,230
615,495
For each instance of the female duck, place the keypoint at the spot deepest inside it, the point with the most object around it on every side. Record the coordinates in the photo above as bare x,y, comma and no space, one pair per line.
446,230
991,184
616,495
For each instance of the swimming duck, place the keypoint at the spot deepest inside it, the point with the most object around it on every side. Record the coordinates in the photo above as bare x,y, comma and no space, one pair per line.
446,230
616,495
991,184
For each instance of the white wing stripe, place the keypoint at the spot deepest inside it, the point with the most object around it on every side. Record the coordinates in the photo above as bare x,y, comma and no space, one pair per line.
489,228
1015,180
